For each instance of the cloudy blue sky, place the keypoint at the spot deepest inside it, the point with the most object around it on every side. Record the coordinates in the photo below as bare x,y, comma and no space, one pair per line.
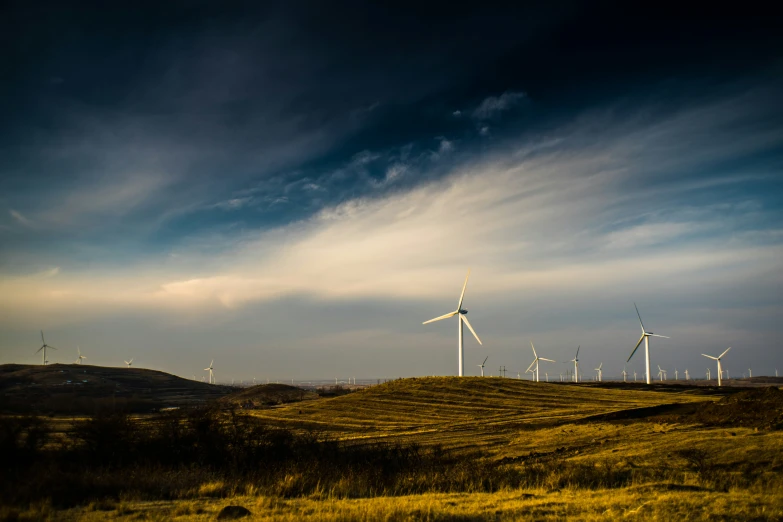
292,189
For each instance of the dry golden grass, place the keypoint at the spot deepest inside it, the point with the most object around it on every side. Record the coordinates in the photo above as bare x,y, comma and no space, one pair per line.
522,423
649,502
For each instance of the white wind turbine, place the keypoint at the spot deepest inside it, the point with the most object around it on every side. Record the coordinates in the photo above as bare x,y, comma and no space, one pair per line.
646,338
709,377
462,319
718,358
211,373
634,376
625,374
750,373
600,373
43,347
687,375
129,363
575,360
676,375
660,373
482,365
79,360
535,361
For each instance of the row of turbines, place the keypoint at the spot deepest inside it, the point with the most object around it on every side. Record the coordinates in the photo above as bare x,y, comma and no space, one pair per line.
462,320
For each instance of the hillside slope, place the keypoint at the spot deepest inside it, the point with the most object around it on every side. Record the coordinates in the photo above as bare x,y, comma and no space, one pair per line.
267,395
85,389
465,411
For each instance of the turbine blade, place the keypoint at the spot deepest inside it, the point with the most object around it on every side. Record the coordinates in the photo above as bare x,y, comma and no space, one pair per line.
485,361
531,365
577,352
710,356
656,335
637,346
465,319
534,349
548,360
462,295
50,346
446,316
42,337
39,349
724,353
640,316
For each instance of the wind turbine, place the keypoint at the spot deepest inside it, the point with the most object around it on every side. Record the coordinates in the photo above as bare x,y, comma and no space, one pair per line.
600,373
676,375
462,319
718,358
625,374
482,365
43,347
709,377
660,373
646,338
535,361
634,376
750,373
687,375
575,360
211,373
79,360
129,363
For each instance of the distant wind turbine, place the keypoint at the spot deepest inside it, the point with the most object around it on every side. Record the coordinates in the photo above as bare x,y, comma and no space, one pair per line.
462,319
79,360
43,347
676,375
718,358
687,375
211,372
129,363
575,360
625,374
535,361
600,373
482,365
634,376
646,338
750,373
709,377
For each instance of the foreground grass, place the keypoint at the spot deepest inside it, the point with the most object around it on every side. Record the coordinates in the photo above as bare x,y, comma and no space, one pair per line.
648,502
514,451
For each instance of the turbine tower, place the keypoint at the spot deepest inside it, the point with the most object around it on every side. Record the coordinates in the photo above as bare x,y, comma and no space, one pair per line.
718,358
43,347
535,361
482,365
575,360
79,360
600,373
129,363
646,338
211,373
462,319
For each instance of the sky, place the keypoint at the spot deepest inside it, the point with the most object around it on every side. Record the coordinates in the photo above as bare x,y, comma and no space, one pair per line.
292,189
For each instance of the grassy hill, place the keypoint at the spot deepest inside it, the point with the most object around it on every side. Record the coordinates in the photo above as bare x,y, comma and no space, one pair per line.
267,395
468,411
85,389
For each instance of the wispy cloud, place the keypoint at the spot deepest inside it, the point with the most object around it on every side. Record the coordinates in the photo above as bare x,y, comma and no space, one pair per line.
494,105
572,215
19,218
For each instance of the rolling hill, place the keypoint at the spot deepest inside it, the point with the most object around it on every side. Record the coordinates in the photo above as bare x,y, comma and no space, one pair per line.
85,389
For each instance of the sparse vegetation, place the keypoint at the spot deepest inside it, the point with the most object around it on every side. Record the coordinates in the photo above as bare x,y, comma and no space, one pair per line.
424,449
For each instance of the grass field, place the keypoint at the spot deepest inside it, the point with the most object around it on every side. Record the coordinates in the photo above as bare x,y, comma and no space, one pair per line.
540,451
